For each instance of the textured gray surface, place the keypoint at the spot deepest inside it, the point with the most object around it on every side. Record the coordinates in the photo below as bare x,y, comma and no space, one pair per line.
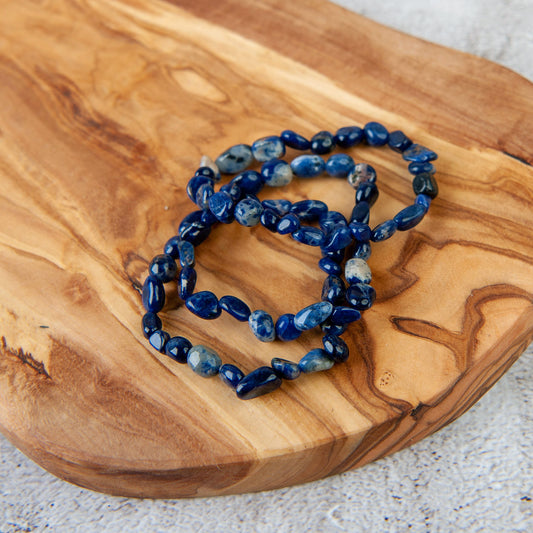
474,475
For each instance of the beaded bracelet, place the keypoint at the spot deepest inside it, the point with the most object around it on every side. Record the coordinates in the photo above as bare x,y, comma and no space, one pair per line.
237,200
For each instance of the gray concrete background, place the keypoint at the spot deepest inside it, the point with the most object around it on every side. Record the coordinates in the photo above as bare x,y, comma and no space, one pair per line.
474,475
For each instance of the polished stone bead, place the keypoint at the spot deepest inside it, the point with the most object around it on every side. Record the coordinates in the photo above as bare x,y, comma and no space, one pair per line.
177,348
203,360
235,159
424,201
248,212
285,369
344,315
383,231
270,220
361,213
203,194
163,267
337,256
262,325
288,224
425,184
260,381
277,173
409,217
208,172
398,141
376,134
333,329
186,251
285,328
153,296
309,235
313,315
249,181
193,229
339,165
235,307
206,161
309,210
171,247
419,168
295,140
150,323
186,282
329,266
361,173
362,250
233,190
158,339
315,361
349,136
367,192
331,220
281,207
322,142
356,270
308,166
419,154
194,185
268,148
231,375
222,206
338,239
361,232
336,348
333,289
361,296
208,218
204,304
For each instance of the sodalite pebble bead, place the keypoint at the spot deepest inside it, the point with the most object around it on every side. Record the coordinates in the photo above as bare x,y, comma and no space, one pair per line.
360,173
419,168
203,194
356,270
315,361
233,190
248,212
158,339
285,369
424,201
231,375
344,315
163,267
222,206
384,231
360,296
194,185
309,210
333,329
409,217
361,232
338,239
186,253
333,289
204,361
206,161
349,136
329,266
419,154
204,304
193,228
171,247
288,224
312,315
268,148
398,141
331,220
208,218
235,307
336,348
270,220
235,159
249,181
260,381
262,325
281,207
277,173
425,183
177,348
186,282
150,323
309,235
153,295
339,165
376,134
295,140
308,166
367,192
362,250
361,213
285,328
322,142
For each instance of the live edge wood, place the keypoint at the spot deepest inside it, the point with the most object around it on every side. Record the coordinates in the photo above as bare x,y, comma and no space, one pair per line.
106,109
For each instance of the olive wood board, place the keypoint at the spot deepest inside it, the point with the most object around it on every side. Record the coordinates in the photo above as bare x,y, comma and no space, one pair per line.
107,108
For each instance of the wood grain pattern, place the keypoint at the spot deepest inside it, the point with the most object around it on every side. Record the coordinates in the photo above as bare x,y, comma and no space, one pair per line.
107,108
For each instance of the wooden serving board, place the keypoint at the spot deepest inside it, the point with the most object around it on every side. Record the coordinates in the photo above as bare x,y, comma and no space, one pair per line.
106,109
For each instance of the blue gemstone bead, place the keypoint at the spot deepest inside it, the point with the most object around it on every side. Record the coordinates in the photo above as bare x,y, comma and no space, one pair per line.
348,136
295,140
419,154
260,381
336,348
315,361
360,296
331,220
338,239
205,191
329,266
268,148
333,289
420,168
249,182
398,141
322,142
344,315
383,231
186,252
158,339
376,134
409,217
308,166
208,218
150,323
277,173
208,172
203,360
222,206
171,247
361,232
361,213
186,282
362,250
361,173
194,185
163,267
423,200
235,307
339,165
270,220
285,328
309,235
288,224
356,270
153,296
367,192
313,315
262,326
285,369
204,304
309,210
231,375
177,348
281,207
425,184
248,212
235,159
337,256
333,329
193,229
233,190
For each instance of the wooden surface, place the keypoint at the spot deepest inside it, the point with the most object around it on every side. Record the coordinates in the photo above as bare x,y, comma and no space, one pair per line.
106,109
